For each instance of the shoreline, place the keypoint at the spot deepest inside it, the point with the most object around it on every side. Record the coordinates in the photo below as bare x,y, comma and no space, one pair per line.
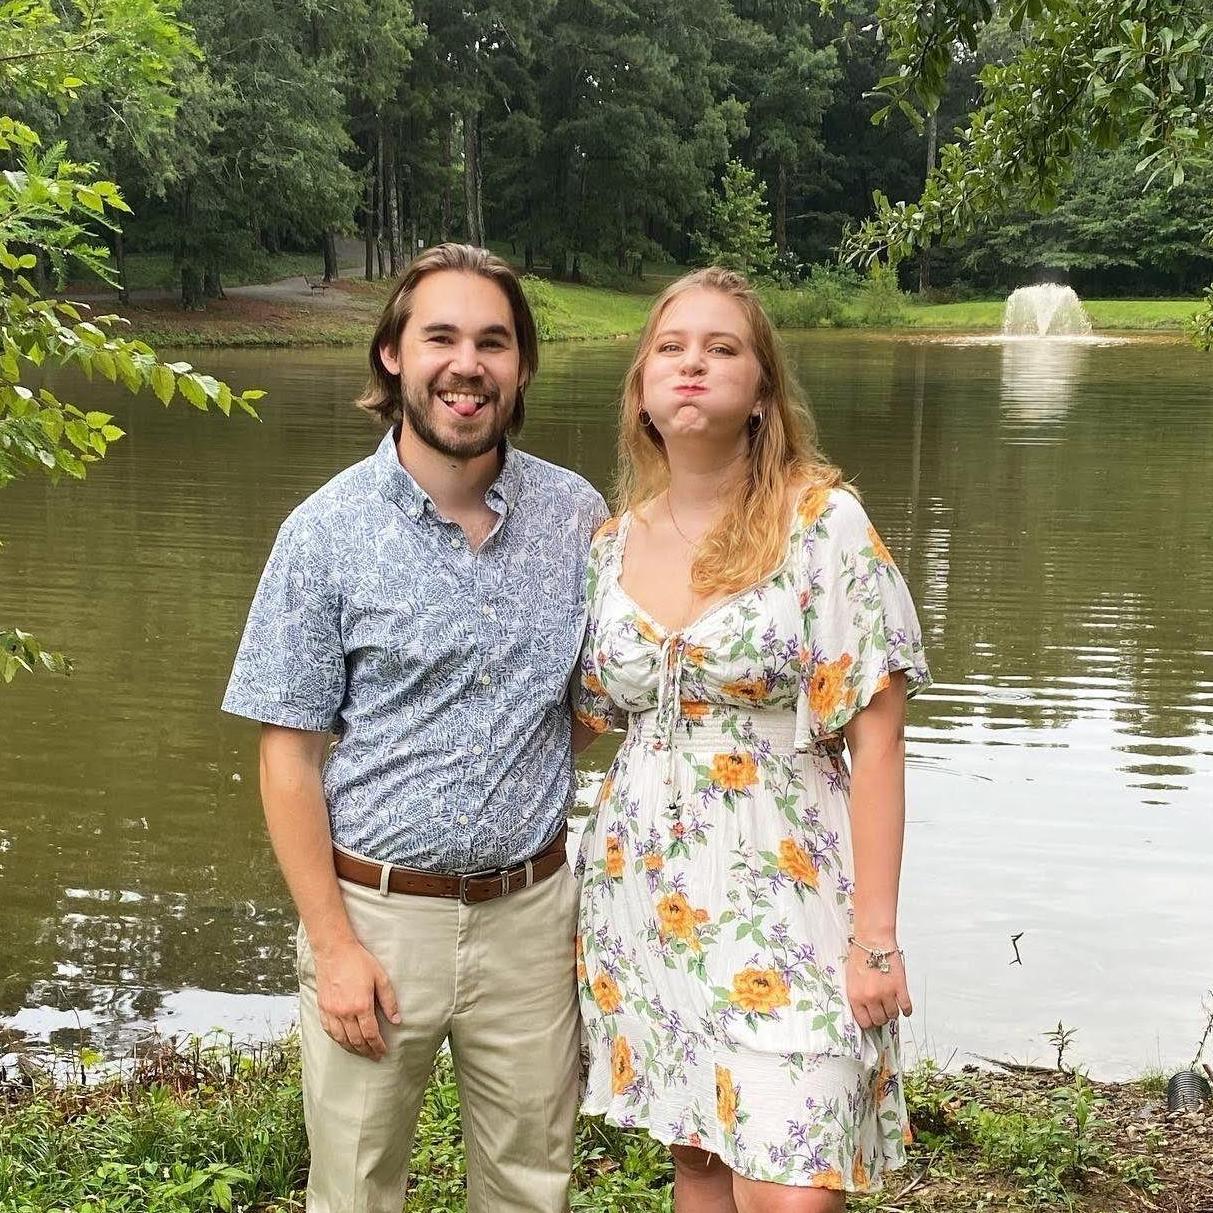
230,1124
287,313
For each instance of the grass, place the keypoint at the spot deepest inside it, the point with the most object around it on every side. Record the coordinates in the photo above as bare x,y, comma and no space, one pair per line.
572,312
1116,314
206,1127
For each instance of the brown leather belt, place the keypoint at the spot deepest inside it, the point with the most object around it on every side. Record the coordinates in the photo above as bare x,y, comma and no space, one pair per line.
470,887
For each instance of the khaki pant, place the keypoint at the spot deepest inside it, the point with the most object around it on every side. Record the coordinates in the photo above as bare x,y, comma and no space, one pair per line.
496,980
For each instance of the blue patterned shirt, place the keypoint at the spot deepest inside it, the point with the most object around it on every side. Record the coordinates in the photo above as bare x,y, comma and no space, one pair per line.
443,671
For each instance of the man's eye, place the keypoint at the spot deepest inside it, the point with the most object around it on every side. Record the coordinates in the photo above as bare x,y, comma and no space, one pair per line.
439,339
492,345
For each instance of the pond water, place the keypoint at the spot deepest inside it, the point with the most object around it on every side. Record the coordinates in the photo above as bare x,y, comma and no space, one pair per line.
1050,503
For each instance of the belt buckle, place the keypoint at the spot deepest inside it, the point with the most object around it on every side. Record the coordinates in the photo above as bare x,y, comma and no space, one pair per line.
464,877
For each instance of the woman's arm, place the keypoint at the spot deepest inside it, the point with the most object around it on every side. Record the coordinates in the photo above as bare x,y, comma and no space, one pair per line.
876,741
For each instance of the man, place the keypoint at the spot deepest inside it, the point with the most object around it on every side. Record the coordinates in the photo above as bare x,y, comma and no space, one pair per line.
425,606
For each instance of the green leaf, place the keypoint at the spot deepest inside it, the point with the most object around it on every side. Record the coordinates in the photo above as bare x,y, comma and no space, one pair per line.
193,391
164,383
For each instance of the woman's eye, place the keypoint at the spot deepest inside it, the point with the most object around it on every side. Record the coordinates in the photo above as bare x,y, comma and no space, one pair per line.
721,349
668,348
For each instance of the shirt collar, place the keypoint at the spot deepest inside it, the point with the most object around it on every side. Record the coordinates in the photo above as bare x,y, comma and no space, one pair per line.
398,486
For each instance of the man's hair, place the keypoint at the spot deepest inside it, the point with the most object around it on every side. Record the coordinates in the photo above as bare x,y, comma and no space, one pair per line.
382,395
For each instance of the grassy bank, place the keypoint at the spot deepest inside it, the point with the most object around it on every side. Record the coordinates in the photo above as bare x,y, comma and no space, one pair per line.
287,314
1126,315
200,1129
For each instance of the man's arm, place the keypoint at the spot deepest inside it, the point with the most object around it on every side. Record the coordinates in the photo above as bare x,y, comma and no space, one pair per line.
349,980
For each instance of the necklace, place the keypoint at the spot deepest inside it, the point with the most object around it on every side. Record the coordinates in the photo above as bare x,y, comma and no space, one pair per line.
670,510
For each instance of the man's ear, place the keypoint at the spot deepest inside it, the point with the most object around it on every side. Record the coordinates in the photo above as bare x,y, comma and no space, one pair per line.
390,357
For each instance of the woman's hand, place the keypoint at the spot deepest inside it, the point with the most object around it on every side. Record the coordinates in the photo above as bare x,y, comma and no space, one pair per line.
876,997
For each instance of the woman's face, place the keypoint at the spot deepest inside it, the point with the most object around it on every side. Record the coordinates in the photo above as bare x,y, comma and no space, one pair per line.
701,377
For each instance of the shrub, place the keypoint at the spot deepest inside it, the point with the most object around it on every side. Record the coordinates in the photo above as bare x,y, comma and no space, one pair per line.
881,302
552,318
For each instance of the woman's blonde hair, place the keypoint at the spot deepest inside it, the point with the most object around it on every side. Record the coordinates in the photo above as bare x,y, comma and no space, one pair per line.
748,542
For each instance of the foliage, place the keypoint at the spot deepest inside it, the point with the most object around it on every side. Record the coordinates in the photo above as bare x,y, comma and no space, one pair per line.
551,316
196,1125
881,302
1090,73
821,302
737,230
48,206
201,1129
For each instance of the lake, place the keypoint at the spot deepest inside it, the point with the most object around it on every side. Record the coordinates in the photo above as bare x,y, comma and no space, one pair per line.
1051,504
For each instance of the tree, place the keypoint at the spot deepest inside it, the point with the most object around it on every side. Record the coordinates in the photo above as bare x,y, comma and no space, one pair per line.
786,80
48,207
631,129
1090,73
737,233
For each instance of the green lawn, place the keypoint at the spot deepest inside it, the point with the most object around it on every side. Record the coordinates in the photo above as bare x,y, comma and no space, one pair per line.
1137,314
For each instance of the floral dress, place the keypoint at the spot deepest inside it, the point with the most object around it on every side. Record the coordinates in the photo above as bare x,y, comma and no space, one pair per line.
716,866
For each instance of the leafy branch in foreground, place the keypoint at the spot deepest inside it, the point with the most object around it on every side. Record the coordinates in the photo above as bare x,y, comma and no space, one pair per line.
1102,73
48,204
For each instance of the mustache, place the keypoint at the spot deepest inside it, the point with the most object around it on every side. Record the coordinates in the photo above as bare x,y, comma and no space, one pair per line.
474,387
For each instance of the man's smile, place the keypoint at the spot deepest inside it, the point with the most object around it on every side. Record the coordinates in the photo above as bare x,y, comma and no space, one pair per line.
465,404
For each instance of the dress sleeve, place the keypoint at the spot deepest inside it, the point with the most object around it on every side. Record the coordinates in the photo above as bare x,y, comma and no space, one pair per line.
592,702
859,624
290,667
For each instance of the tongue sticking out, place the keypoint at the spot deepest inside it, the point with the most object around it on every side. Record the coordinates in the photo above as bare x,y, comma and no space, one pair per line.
465,408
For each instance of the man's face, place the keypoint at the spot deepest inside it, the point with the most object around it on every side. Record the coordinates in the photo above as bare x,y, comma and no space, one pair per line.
458,364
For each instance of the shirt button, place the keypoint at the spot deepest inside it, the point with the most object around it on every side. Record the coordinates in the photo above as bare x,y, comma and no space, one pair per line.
488,610
456,541
485,680
477,749
463,819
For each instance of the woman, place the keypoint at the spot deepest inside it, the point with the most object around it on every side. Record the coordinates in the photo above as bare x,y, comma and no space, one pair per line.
738,957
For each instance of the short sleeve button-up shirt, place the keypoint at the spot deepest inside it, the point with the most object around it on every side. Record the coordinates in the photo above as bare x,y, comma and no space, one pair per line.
443,671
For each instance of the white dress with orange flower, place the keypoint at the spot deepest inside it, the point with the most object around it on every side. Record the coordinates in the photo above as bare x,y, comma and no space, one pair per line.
716,866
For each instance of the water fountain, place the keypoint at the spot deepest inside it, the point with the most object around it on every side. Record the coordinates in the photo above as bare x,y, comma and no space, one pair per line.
1045,310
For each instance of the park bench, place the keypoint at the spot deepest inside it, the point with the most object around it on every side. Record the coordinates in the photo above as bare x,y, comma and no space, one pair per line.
316,284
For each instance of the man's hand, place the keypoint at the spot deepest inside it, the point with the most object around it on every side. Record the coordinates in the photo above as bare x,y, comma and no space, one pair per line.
349,984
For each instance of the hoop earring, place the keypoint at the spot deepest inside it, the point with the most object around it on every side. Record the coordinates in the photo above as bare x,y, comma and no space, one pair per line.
645,419
755,422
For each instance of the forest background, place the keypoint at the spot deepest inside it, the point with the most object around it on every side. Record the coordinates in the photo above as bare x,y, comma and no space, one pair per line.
592,139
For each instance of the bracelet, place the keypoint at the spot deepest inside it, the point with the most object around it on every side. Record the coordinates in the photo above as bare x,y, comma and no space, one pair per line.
878,958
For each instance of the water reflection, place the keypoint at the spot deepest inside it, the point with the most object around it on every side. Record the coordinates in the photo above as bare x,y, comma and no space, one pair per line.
1039,376
1059,769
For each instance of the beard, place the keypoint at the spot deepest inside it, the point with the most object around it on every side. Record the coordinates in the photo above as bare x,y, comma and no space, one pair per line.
425,416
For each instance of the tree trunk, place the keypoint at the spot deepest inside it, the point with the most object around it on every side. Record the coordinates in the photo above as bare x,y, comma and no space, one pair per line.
781,208
483,235
528,257
387,190
471,178
414,219
212,283
379,204
368,223
448,205
191,279
124,294
924,261
331,269
191,288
